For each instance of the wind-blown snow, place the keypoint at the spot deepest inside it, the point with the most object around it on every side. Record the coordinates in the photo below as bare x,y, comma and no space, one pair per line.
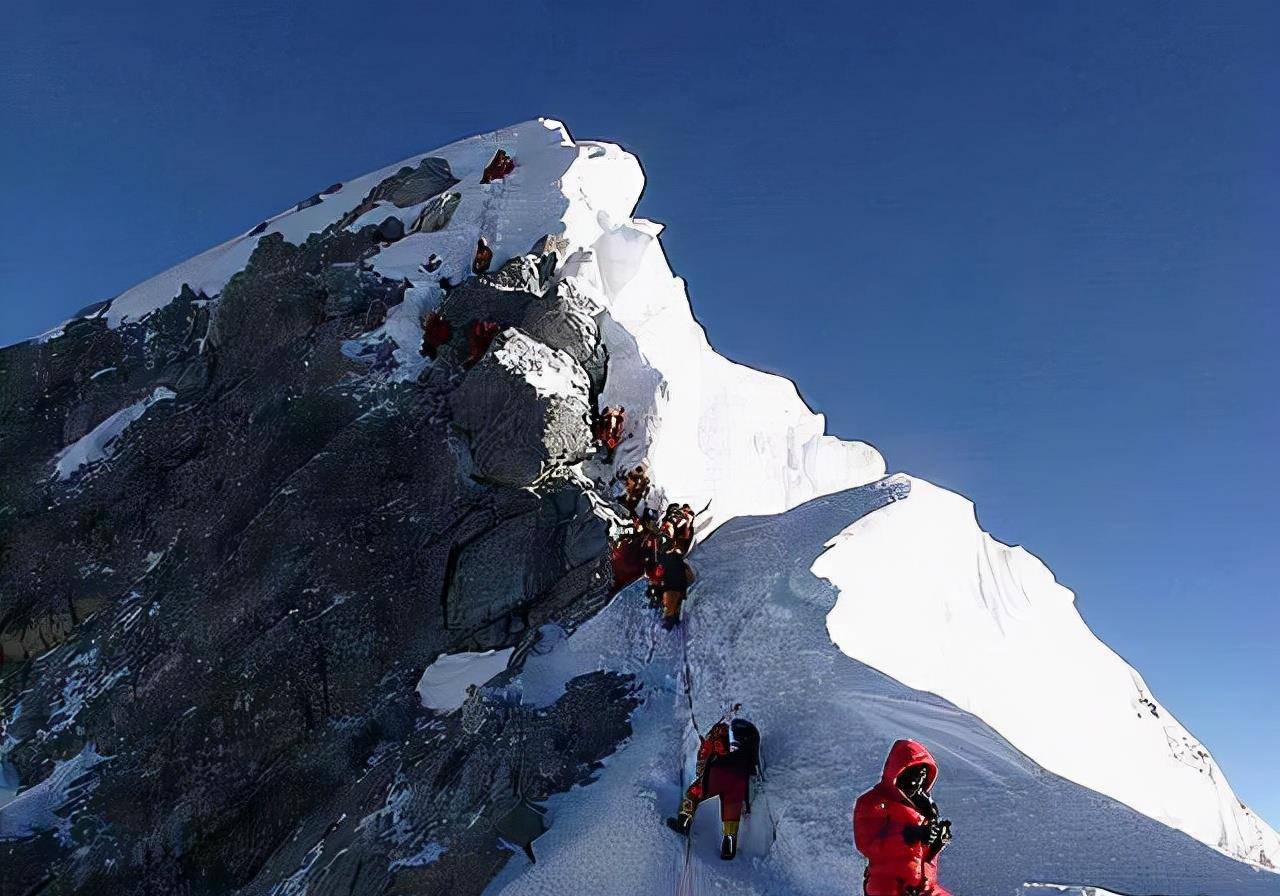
994,633
445,683
98,443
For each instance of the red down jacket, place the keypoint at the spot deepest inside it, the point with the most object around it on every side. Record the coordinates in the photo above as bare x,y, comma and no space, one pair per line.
895,867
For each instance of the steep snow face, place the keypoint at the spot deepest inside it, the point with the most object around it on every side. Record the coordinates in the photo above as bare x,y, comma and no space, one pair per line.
445,683
710,430
754,633
994,633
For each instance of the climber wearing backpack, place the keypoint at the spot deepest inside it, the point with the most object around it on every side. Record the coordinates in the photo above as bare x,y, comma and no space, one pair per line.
896,825
499,167
728,757
672,576
483,258
677,525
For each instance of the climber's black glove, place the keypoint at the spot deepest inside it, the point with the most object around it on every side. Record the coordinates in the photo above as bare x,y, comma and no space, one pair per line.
931,833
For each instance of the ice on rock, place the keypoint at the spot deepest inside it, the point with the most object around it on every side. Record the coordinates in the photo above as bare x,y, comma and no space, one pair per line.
446,682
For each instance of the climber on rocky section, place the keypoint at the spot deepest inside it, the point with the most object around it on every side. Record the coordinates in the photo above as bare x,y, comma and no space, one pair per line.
499,167
728,757
635,486
435,333
480,336
677,525
608,430
483,257
627,557
896,825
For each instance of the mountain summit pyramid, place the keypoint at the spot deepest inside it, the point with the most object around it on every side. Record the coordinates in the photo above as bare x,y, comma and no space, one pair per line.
289,605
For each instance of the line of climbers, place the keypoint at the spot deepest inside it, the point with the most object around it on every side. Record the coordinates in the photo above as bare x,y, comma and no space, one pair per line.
896,824
436,331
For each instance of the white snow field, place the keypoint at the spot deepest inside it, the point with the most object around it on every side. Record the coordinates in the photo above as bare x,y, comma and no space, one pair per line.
1031,694
995,634
755,633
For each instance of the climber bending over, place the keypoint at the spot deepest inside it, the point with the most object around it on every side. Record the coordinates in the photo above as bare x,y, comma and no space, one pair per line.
608,429
728,757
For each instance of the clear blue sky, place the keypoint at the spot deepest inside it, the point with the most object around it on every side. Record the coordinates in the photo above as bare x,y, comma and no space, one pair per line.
1027,249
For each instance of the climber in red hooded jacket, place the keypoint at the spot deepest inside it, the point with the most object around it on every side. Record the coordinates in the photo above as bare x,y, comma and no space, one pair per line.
896,826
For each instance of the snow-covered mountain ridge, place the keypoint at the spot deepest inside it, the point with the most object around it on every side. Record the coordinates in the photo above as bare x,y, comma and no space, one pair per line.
998,639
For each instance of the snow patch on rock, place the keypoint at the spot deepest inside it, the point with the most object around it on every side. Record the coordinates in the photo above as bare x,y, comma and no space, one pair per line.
445,683
98,443
43,807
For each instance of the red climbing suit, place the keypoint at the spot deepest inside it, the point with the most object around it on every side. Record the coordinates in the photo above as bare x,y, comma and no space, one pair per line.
479,337
499,167
894,866
435,333
628,558
608,428
483,257
720,774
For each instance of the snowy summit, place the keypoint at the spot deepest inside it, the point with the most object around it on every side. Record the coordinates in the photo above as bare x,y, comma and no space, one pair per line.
344,534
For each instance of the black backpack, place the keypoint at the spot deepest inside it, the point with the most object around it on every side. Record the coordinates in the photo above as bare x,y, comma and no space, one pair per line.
747,738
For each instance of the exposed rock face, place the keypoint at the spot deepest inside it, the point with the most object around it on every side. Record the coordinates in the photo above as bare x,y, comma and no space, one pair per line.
231,605
525,410
436,213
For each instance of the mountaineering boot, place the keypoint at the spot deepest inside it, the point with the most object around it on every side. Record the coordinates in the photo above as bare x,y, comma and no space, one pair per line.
729,846
680,824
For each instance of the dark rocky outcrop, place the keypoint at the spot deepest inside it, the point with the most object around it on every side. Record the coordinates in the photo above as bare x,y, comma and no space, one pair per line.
230,605
407,187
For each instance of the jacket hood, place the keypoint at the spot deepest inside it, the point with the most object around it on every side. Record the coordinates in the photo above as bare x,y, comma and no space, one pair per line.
903,755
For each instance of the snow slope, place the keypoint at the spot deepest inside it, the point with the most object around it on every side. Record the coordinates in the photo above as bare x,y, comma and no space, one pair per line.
712,430
755,633
994,633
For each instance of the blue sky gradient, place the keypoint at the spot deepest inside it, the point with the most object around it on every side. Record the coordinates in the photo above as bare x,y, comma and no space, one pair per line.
1028,250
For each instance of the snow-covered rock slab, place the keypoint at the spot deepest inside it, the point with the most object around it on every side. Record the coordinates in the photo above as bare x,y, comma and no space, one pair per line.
445,683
